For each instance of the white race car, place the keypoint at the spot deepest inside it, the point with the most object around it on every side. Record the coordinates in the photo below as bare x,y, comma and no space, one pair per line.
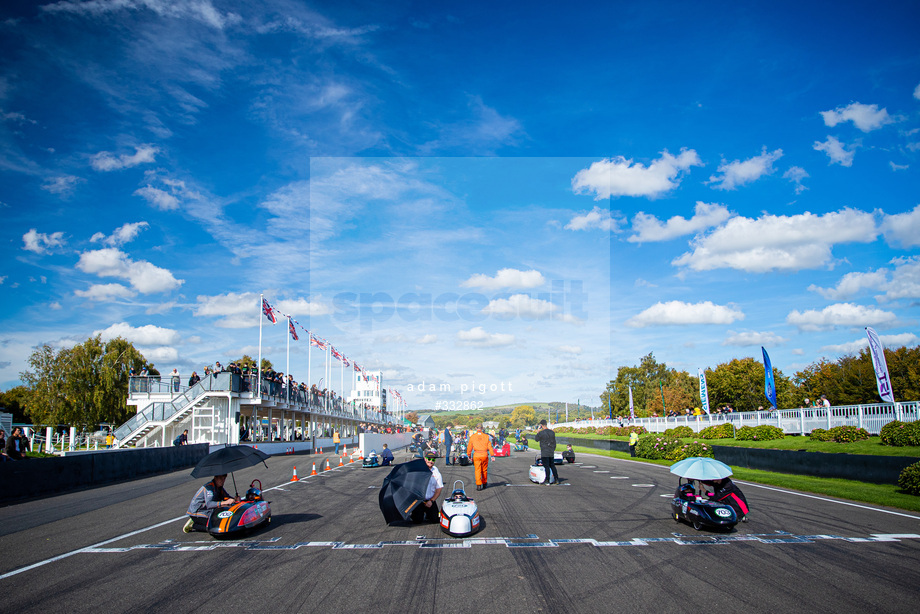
459,513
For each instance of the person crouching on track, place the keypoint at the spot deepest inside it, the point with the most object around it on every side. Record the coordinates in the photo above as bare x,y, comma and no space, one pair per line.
209,497
428,509
479,449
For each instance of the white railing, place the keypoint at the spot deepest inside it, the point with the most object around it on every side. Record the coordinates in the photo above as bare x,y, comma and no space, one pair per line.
871,417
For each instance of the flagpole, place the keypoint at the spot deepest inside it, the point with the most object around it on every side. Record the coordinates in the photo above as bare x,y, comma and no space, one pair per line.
287,367
310,359
259,365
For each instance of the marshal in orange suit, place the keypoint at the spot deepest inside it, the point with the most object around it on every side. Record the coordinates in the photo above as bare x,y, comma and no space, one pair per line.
479,449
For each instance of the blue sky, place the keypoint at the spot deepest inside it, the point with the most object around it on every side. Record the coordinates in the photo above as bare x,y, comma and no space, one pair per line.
518,196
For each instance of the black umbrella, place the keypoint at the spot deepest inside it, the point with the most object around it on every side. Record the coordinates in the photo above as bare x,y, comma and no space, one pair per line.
227,460
403,489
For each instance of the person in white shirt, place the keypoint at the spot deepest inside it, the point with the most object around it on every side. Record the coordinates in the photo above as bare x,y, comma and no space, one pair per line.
428,509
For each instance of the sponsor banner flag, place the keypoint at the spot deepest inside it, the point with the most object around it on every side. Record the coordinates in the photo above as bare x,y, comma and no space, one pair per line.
704,392
769,386
268,311
882,379
632,410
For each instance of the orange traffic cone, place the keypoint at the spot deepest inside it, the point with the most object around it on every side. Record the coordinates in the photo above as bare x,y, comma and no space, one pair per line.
295,478
327,465
341,464
314,469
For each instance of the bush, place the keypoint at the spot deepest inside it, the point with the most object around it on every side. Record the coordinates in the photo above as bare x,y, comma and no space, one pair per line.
679,431
722,431
689,449
909,480
656,447
820,435
847,434
763,432
897,433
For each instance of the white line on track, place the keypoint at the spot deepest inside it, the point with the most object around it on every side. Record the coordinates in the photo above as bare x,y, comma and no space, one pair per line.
838,502
102,543
125,536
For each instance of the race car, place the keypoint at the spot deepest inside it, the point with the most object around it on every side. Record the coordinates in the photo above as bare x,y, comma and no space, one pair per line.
699,512
537,474
504,450
557,459
251,512
371,460
520,447
459,513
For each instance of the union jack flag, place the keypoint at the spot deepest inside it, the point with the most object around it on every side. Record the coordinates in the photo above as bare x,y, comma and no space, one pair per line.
268,311
291,328
357,368
336,353
316,341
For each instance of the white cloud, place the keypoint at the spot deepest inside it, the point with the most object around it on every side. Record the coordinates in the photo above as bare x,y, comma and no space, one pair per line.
836,151
902,228
901,282
866,117
105,292
511,279
160,355
851,285
621,177
123,234
105,161
161,199
569,349
740,172
426,339
840,315
228,304
889,341
142,335
796,174
196,10
42,243
61,185
477,337
525,306
778,242
746,339
595,218
648,228
303,307
681,313
142,275
898,167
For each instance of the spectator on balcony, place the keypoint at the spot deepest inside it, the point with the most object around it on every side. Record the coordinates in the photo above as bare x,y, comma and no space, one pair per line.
174,376
218,367
193,379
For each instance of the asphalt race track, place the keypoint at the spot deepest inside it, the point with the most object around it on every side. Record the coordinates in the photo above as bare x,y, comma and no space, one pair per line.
601,541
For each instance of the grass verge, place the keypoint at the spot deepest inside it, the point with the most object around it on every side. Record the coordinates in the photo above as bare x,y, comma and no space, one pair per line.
888,495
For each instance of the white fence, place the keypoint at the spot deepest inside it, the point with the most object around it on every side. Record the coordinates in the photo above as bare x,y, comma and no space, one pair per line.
801,421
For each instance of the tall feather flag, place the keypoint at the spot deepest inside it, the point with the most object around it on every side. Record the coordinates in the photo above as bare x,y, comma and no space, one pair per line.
704,392
768,383
632,409
882,379
268,311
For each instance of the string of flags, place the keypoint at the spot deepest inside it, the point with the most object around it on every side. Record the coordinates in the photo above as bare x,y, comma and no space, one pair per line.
318,342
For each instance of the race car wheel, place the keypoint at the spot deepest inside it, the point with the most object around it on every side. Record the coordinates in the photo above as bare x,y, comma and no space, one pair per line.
697,525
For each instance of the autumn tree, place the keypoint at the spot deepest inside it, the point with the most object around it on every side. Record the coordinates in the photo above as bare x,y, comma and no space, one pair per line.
523,415
83,385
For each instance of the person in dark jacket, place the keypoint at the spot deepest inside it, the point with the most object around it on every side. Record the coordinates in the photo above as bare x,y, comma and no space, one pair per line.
208,498
725,491
386,456
546,437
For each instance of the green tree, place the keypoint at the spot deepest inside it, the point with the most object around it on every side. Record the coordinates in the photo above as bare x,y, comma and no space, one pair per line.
740,383
14,401
523,415
83,385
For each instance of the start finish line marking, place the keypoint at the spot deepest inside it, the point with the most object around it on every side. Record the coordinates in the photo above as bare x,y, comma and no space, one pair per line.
530,541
